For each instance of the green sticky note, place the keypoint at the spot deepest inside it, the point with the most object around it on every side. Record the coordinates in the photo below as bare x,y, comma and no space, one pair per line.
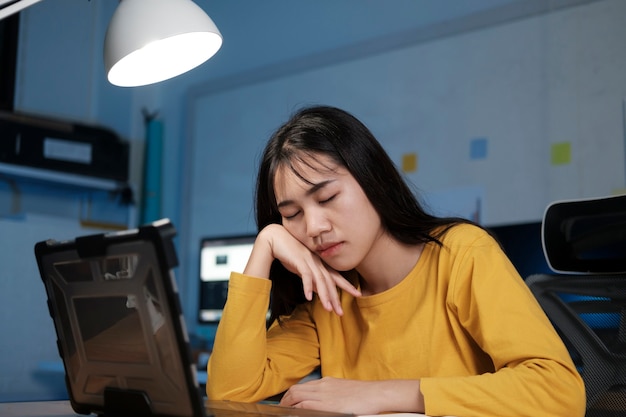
561,153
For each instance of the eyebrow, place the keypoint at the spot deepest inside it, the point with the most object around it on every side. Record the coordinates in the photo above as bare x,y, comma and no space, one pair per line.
314,188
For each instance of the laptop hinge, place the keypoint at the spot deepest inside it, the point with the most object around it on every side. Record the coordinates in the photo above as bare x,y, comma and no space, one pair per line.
126,403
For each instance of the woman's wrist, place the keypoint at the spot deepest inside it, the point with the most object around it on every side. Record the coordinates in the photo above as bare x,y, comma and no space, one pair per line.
261,257
402,395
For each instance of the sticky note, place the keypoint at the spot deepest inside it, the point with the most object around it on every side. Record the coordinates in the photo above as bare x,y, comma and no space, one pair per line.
409,162
478,148
561,153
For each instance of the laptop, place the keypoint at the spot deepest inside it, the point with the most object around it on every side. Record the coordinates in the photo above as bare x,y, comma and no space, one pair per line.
120,328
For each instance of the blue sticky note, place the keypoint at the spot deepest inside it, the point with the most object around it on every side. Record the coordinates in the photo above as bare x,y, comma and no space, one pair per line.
478,148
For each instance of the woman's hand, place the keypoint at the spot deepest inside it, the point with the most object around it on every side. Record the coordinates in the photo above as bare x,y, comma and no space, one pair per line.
356,397
275,242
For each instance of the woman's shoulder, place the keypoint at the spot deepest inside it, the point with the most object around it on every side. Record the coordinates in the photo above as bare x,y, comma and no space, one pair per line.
461,234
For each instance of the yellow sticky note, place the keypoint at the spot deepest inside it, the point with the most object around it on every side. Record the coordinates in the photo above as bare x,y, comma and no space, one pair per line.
409,162
561,153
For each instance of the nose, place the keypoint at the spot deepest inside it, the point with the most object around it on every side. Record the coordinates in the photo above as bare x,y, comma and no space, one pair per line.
316,222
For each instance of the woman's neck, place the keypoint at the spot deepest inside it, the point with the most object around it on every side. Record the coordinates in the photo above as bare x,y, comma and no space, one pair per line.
388,263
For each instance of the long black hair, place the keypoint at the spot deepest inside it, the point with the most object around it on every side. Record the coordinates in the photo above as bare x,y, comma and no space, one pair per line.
348,142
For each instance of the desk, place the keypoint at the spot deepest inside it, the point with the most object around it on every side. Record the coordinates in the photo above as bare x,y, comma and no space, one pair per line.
64,409
37,409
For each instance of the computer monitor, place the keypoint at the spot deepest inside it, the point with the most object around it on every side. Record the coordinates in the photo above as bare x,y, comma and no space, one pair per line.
219,256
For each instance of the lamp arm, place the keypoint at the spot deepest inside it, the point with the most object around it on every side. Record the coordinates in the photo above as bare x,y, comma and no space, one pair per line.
9,7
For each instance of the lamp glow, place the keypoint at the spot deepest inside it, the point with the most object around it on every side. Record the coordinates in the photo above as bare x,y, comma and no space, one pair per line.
149,41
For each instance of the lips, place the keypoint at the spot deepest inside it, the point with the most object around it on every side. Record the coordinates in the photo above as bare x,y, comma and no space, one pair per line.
328,249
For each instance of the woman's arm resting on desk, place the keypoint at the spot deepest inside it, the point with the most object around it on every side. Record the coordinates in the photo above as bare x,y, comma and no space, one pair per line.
356,397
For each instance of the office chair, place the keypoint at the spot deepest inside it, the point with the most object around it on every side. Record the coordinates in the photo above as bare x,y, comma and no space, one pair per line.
584,242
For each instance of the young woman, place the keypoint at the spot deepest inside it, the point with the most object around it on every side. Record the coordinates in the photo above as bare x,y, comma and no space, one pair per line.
401,311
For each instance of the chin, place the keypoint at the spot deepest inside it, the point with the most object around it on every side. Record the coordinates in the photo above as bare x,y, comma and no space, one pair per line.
341,266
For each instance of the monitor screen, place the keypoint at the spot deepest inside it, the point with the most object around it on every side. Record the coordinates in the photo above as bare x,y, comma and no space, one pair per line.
218,258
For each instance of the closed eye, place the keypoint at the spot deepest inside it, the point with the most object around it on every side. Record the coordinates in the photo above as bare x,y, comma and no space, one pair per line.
328,199
292,216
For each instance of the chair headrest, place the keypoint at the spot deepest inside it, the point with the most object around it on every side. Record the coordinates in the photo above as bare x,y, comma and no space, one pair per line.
586,236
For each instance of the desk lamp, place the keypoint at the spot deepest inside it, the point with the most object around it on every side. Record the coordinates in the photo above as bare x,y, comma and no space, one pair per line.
153,40
148,41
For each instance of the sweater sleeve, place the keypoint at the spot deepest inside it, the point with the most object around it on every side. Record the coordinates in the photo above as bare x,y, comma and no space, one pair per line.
249,363
533,370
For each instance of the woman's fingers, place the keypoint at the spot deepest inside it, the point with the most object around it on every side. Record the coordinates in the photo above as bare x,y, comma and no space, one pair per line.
333,280
320,279
346,285
331,301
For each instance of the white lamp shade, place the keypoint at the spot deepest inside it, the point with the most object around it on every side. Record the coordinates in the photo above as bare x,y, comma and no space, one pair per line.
148,41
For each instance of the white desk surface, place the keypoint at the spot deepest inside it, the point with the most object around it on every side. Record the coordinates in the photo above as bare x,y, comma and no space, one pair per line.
37,409
64,409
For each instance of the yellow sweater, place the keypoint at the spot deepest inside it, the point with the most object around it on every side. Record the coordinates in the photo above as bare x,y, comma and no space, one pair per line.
463,322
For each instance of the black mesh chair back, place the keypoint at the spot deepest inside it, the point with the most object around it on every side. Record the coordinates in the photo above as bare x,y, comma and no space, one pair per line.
584,242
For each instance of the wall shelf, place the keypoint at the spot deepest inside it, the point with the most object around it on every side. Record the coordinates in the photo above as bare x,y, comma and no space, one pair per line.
63,178
95,202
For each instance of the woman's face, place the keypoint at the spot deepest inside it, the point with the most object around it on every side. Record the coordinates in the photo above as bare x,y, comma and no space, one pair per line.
328,211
